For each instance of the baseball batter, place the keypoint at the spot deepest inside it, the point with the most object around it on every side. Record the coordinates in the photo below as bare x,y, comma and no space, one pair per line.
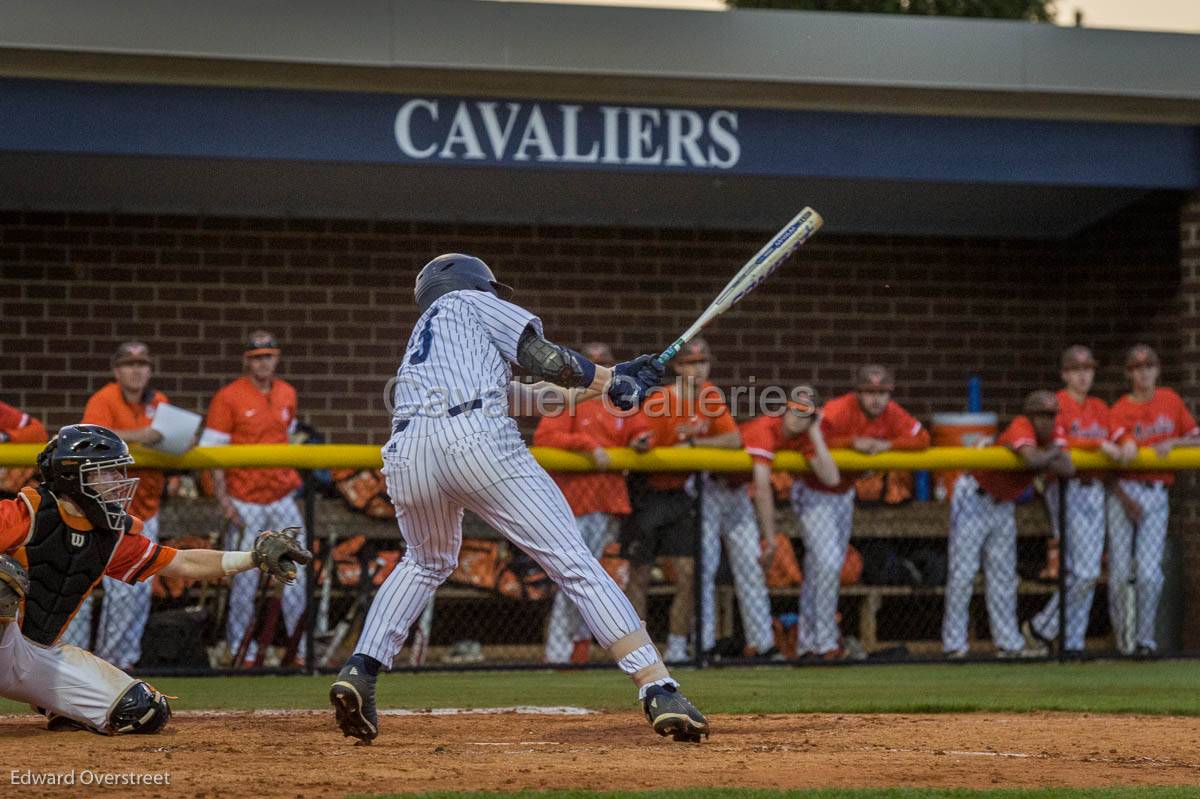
797,429
983,529
870,421
1148,416
454,446
1083,423
56,542
598,499
126,406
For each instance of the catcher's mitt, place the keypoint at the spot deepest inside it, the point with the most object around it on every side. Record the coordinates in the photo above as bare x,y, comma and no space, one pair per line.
277,553
14,584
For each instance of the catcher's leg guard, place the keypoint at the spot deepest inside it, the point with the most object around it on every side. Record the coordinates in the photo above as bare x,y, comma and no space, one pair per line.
141,709
14,583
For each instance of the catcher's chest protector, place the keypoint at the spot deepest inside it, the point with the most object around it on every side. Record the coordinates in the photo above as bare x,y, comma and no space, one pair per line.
63,565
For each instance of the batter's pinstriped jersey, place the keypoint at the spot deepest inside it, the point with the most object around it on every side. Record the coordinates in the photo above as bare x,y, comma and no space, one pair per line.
460,350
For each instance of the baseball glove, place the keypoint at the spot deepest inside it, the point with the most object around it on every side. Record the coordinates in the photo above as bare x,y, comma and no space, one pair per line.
277,553
14,584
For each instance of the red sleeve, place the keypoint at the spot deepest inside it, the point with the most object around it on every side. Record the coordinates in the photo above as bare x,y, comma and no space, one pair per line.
1018,434
722,424
636,425
904,431
10,417
838,424
138,558
759,440
97,411
558,431
15,519
20,427
1119,430
220,413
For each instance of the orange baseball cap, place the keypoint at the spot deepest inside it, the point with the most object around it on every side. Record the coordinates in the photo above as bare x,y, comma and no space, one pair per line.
874,377
261,343
132,352
1078,356
1140,355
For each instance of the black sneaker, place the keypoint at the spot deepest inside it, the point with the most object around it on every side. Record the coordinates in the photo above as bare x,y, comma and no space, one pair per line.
353,699
1144,651
670,713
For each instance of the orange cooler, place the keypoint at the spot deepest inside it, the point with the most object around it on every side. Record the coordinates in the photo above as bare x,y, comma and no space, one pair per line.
960,430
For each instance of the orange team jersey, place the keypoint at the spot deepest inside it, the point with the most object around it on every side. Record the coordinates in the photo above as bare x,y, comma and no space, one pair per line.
135,559
108,407
241,414
673,421
591,426
1163,417
844,421
18,427
1081,425
1007,486
764,436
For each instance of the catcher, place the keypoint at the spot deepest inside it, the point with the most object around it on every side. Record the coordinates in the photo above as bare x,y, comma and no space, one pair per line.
63,537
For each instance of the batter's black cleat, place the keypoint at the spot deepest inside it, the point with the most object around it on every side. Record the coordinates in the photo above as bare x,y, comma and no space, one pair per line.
670,713
353,699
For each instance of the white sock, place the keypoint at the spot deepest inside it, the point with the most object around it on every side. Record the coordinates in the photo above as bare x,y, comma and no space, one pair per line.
664,681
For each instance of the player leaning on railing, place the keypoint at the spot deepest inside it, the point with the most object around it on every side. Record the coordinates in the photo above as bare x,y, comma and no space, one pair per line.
63,537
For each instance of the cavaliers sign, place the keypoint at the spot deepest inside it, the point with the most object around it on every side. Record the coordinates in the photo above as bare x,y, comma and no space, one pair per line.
429,129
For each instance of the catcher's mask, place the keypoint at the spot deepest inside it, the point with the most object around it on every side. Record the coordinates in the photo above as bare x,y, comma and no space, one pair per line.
87,464
454,272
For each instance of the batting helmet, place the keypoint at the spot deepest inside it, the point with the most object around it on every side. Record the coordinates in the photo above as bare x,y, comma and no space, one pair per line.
454,272
86,463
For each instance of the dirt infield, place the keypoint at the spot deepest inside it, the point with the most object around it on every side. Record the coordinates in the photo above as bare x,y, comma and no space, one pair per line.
303,755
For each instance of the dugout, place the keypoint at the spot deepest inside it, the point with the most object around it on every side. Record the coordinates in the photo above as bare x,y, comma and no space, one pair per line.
993,191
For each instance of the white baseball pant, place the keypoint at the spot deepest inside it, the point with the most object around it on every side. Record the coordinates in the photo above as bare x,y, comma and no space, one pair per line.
1151,547
727,514
1085,546
435,468
566,625
981,529
257,517
60,678
825,522
123,616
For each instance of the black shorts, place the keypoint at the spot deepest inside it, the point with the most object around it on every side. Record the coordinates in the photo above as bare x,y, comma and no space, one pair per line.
663,523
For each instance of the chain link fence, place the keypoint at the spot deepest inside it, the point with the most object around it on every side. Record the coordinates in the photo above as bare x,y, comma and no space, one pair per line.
867,574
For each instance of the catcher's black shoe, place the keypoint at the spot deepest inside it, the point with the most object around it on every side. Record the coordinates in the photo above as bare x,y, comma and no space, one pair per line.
353,699
670,713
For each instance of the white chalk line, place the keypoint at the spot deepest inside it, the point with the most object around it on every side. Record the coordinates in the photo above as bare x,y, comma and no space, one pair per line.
522,710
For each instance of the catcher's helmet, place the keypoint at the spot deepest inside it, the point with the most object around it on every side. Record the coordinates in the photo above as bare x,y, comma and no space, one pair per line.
453,272
86,463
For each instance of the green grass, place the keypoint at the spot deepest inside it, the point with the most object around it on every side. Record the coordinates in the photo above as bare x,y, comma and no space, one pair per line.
1166,688
830,793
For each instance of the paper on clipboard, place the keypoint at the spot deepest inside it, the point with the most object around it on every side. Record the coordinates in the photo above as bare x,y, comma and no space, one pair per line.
178,428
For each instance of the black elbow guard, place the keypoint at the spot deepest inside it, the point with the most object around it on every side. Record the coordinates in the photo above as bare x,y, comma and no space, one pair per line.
560,365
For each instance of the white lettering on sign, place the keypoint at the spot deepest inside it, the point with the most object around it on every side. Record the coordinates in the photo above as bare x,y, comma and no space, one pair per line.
466,130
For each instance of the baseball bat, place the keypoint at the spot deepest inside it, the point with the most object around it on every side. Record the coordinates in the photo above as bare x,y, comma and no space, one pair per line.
755,271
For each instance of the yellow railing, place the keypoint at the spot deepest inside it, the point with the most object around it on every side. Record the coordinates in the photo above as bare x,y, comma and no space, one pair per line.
366,456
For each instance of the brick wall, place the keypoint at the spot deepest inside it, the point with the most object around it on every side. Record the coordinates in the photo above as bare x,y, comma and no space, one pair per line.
1188,490
338,294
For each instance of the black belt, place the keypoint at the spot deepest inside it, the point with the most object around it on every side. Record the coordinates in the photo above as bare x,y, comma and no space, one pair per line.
474,405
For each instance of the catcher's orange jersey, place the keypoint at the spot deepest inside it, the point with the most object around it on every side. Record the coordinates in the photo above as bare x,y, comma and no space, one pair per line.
241,414
591,426
843,421
135,559
19,427
1007,486
108,407
1163,417
673,421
